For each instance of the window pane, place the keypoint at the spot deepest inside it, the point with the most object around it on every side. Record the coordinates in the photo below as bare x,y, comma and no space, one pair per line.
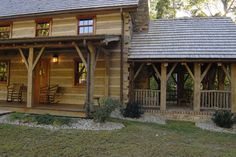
86,30
5,32
81,22
90,22
81,30
3,71
90,29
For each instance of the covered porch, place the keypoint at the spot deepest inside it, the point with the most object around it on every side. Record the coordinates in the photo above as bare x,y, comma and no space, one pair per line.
54,68
183,86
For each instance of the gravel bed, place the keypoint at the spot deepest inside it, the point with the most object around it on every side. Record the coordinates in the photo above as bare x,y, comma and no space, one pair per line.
148,118
80,124
211,126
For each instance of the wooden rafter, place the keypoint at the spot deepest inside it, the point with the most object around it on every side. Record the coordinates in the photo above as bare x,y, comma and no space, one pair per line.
171,71
24,58
38,57
206,71
80,54
226,72
189,70
158,74
138,71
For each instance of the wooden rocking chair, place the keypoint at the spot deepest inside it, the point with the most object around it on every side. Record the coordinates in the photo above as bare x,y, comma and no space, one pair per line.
14,92
48,94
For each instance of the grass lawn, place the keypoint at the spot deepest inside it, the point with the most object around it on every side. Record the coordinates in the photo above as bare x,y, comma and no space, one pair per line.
177,139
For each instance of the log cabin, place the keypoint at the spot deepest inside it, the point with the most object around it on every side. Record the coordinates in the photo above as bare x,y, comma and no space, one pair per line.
60,57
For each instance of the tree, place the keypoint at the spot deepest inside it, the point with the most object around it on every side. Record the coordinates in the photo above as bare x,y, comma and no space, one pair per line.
195,8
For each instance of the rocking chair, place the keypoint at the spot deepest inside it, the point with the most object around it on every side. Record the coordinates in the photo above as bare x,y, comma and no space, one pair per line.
14,92
48,94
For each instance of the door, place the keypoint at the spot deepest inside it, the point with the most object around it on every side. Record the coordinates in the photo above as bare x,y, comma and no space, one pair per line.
41,78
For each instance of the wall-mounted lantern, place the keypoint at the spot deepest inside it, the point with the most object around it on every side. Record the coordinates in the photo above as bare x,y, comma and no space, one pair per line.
55,59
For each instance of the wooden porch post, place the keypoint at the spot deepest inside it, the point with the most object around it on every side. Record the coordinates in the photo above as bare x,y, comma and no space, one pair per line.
197,87
233,87
30,91
163,86
91,67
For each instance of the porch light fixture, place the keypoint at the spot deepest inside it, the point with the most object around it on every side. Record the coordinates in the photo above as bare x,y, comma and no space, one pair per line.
55,59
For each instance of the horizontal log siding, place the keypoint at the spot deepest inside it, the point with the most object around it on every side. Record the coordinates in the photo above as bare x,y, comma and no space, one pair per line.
18,73
108,24
23,29
66,26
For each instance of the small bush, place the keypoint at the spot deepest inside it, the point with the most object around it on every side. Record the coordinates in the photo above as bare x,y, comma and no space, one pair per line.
133,110
223,118
45,119
102,113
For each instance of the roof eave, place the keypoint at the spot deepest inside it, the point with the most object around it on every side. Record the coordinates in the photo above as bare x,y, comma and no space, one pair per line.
131,8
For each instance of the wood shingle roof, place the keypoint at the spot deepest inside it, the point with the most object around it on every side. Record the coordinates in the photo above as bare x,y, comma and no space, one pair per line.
194,38
11,8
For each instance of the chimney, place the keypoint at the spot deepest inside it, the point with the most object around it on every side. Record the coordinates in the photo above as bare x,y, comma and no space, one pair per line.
141,18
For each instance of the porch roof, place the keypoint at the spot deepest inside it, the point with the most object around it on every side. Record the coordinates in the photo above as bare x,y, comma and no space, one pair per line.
192,38
18,8
51,41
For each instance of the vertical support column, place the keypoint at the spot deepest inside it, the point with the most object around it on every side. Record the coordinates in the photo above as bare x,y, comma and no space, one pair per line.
107,75
233,87
131,82
197,87
30,88
163,85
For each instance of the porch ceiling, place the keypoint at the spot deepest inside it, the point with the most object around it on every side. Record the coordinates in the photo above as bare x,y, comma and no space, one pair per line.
55,42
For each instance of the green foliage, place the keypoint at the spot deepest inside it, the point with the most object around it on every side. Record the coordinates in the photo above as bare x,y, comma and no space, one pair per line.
102,113
165,9
40,119
223,118
133,110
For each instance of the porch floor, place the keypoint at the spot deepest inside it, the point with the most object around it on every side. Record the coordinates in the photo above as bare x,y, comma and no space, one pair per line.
54,109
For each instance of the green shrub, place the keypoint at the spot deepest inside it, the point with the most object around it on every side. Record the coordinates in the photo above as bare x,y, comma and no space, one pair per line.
132,110
223,118
40,119
102,113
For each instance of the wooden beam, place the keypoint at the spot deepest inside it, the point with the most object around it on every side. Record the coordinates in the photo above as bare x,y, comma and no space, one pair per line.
163,86
206,71
80,54
233,87
24,58
96,58
92,52
226,72
38,57
197,87
107,75
138,71
174,78
30,91
171,71
189,70
158,75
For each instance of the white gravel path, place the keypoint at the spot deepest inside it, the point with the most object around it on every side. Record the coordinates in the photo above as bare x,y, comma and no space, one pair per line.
149,118
210,126
80,124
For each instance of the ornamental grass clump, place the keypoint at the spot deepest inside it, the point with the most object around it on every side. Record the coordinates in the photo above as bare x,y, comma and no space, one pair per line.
224,119
107,106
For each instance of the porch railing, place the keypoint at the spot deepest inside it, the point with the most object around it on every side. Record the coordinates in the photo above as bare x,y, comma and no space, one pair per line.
147,98
212,99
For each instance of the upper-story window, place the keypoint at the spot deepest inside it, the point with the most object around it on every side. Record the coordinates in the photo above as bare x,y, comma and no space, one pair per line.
86,26
43,28
5,31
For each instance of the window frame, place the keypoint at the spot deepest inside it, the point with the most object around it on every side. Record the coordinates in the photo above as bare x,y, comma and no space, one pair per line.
84,18
10,31
77,80
41,21
8,73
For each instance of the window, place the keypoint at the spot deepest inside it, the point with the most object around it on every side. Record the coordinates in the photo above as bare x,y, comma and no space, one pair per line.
80,73
86,26
42,28
4,68
5,32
